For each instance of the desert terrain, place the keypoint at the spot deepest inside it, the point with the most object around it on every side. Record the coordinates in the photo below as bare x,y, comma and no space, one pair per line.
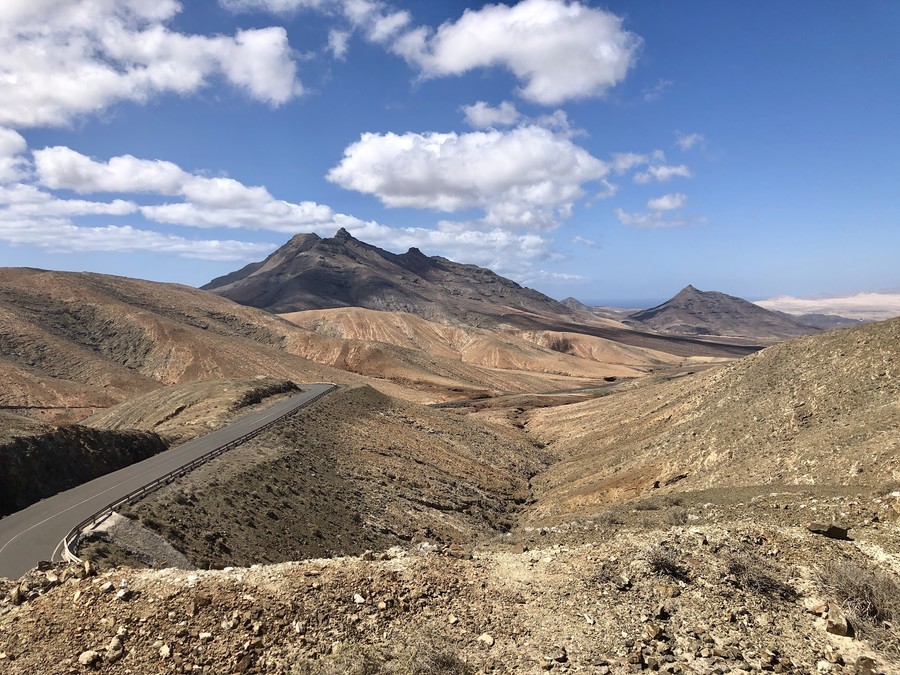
526,494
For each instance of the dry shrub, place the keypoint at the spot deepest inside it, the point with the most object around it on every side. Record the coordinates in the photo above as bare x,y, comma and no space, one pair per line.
561,344
677,515
664,562
609,518
425,657
752,573
871,598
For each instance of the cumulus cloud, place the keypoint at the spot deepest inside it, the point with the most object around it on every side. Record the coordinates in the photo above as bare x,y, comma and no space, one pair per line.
667,202
508,253
658,213
60,167
481,115
650,219
29,216
208,202
61,59
623,162
338,43
13,165
662,173
560,50
688,141
526,177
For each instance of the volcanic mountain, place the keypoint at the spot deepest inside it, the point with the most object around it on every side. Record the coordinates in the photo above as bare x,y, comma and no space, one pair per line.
695,312
314,273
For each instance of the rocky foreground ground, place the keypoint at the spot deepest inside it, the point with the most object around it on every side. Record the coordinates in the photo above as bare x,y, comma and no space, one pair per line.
737,592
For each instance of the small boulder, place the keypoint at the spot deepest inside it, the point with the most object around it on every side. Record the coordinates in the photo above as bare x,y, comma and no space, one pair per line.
89,658
836,623
831,530
486,639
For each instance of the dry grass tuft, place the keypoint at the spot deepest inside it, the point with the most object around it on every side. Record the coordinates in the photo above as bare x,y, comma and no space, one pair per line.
664,562
871,598
752,573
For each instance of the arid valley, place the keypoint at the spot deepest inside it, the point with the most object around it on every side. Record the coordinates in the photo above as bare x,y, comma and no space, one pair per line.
500,483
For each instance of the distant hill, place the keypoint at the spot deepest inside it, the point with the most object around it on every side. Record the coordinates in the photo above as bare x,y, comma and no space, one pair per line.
695,312
820,410
309,272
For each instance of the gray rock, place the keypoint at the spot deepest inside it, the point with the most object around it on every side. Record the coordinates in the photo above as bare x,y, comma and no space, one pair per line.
836,623
832,530
89,657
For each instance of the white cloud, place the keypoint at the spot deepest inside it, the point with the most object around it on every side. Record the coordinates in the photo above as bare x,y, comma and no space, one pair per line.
504,252
626,161
61,59
61,236
272,6
687,141
60,167
655,92
662,173
26,201
480,115
29,216
13,166
338,43
209,202
525,177
561,50
667,202
651,219
583,241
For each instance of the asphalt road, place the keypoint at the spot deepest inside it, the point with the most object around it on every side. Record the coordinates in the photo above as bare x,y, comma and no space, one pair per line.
34,534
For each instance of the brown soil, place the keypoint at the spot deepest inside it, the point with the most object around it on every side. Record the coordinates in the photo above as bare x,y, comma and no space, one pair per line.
356,471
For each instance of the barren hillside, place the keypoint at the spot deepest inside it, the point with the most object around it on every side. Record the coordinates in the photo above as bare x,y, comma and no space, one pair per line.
695,312
819,410
127,336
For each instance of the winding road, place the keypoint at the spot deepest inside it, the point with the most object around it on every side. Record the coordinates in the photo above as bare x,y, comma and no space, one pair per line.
35,533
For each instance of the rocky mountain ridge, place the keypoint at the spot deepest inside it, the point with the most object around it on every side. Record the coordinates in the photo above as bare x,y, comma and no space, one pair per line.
310,272
696,312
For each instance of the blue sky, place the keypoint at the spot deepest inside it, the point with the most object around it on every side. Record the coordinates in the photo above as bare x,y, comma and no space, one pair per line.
614,152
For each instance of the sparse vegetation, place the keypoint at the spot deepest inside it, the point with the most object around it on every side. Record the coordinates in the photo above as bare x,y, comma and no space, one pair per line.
259,394
561,344
750,572
426,657
871,598
664,562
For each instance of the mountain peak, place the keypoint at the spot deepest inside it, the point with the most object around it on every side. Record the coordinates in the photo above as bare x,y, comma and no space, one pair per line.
346,272
343,235
696,312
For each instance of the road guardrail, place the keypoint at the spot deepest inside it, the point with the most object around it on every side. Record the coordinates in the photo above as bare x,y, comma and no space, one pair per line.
69,544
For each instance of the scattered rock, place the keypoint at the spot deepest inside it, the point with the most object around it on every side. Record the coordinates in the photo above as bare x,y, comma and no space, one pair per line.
836,623
865,666
832,530
89,658
487,639
623,583
115,650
